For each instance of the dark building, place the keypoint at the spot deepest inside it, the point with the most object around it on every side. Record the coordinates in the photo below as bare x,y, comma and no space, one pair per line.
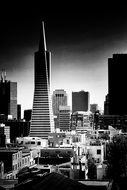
8,97
18,129
19,112
106,105
80,101
2,140
51,181
116,121
2,137
117,80
42,121
27,114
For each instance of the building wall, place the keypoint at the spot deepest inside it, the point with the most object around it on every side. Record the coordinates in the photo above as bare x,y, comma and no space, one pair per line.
13,99
80,101
27,114
64,118
42,121
8,98
59,98
19,112
93,108
97,152
117,84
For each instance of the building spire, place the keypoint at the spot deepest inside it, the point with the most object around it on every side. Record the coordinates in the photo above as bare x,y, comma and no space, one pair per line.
3,75
42,43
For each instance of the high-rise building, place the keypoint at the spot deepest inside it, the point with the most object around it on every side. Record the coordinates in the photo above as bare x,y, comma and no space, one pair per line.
117,93
59,98
64,118
8,97
93,108
27,115
19,112
6,131
80,101
42,117
106,105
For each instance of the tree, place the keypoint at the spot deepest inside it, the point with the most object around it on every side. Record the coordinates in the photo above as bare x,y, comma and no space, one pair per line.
116,154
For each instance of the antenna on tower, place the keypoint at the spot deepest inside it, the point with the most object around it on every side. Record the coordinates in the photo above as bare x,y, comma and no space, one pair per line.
2,76
5,75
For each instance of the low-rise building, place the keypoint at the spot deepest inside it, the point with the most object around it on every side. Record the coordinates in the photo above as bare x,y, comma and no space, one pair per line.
12,159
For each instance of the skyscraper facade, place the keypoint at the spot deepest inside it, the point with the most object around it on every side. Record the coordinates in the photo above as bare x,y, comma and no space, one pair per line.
42,117
27,114
117,93
59,98
80,101
8,97
64,118
19,112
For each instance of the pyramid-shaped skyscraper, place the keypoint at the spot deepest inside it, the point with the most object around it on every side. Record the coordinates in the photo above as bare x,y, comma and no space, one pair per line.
42,121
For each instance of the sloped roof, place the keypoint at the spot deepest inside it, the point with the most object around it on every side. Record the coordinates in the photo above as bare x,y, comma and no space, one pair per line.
52,181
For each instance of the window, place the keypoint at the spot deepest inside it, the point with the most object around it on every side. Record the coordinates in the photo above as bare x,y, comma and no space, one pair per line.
39,143
98,151
32,142
25,160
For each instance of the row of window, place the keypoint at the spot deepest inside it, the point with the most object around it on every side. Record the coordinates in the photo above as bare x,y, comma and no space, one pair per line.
17,155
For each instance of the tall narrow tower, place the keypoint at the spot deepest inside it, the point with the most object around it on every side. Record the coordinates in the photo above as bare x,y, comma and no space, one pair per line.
42,117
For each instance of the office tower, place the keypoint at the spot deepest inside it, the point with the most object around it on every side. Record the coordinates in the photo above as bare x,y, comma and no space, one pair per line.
5,130
59,98
80,101
64,118
19,112
27,114
117,93
106,105
93,108
8,97
42,117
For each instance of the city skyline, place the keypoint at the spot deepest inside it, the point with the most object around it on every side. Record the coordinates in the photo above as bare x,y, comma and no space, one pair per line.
80,46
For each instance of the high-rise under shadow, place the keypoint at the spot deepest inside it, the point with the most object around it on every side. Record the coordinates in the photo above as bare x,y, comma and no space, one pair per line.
117,80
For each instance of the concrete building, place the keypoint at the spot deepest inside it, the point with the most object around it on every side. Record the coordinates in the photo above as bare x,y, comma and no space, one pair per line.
81,121
116,121
30,142
64,118
93,108
27,114
96,151
5,130
18,112
80,101
17,129
8,97
59,98
116,84
12,159
42,121
56,139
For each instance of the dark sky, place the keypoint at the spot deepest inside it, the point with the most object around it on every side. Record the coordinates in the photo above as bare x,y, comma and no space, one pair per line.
81,41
